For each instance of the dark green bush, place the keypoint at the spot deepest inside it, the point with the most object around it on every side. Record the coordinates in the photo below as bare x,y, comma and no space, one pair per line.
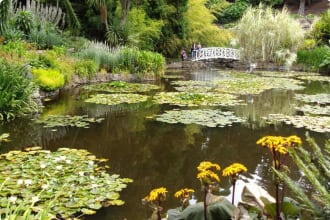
15,91
233,12
313,58
23,21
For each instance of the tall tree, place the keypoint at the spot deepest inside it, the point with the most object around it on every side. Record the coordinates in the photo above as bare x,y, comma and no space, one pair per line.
301,10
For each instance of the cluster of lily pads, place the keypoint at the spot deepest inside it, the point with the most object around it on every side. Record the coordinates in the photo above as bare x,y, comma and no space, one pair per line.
122,87
314,110
67,182
204,117
80,121
115,99
315,78
314,123
196,99
322,98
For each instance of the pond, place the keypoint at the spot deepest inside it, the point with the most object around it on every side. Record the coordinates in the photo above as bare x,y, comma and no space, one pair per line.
158,154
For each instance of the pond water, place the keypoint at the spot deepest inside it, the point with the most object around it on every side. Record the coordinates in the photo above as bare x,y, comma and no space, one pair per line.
156,154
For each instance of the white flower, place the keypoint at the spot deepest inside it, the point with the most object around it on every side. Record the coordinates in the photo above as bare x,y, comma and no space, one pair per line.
81,173
62,157
59,167
94,185
13,199
35,199
90,163
45,186
92,177
68,161
19,182
42,165
27,182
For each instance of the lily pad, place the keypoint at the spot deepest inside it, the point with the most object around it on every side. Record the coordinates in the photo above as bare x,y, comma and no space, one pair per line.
115,99
322,98
4,137
204,117
60,181
82,121
314,123
193,86
172,77
315,78
314,110
285,74
196,99
122,87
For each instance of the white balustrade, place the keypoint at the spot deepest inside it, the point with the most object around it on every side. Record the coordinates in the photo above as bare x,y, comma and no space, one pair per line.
216,53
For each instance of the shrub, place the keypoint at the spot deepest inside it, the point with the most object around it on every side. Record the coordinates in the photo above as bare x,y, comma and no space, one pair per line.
233,12
48,79
262,32
313,58
46,37
87,68
321,29
23,21
15,91
14,47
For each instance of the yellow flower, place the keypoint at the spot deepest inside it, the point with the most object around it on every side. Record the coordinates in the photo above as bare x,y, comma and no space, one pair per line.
156,194
183,193
234,169
208,176
207,165
279,143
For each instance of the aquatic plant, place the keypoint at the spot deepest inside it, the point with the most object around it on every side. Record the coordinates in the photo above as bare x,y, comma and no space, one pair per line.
321,98
67,182
314,163
80,121
4,137
115,99
196,99
233,171
204,117
155,199
314,123
314,110
122,87
278,147
209,179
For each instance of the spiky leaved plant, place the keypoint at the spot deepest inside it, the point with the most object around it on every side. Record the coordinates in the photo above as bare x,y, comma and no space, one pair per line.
315,164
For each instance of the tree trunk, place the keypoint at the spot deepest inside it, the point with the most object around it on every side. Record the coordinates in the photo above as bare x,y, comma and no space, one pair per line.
301,10
125,5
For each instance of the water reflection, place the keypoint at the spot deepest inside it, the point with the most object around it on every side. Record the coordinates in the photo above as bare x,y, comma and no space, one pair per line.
156,154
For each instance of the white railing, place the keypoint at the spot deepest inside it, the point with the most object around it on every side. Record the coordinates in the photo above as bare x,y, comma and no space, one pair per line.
216,53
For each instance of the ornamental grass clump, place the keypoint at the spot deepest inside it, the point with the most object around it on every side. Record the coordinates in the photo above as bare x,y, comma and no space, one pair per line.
155,198
209,179
233,171
262,32
279,147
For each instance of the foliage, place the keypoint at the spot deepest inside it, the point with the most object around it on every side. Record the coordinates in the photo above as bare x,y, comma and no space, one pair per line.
46,38
314,163
15,91
203,29
233,12
23,21
5,9
313,58
321,29
262,32
14,47
48,79
308,44
67,182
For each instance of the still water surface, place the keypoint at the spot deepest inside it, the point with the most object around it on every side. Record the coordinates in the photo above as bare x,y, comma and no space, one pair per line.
156,154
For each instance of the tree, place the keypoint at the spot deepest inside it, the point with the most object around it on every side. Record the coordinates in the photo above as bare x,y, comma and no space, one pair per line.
301,10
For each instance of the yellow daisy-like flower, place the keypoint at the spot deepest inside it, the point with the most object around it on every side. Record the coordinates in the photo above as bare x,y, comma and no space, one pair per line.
183,193
278,143
207,165
234,169
156,194
208,176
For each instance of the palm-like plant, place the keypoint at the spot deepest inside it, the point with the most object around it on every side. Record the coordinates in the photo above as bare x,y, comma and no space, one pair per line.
5,9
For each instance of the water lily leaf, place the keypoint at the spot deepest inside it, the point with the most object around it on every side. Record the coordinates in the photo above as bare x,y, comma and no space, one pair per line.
122,87
88,211
66,120
115,99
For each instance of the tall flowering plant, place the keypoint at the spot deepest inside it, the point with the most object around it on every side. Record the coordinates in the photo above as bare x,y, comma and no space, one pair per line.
278,147
184,196
233,171
155,198
209,178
